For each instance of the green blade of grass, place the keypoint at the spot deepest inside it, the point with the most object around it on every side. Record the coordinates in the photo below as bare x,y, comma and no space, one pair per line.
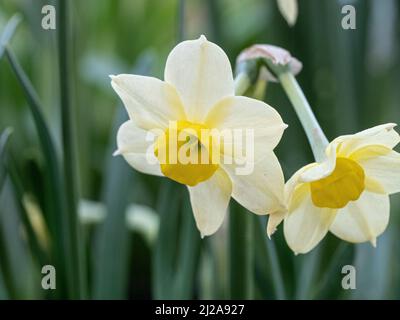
241,255
54,188
189,251
8,32
32,240
181,20
331,271
308,267
78,286
3,143
5,266
268,260
110,279
374,268
165,249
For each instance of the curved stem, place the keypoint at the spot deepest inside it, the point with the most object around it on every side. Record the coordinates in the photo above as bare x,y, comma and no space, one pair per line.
315,135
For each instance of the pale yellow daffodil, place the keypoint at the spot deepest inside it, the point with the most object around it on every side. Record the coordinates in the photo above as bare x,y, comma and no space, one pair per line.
348,194
198,94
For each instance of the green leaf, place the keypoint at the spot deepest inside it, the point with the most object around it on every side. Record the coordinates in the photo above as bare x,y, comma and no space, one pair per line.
77,276
374,267
6,268
3,143
332,271
307,267
165,250
241,253
54,188
8,33
267,260
111,252
189,252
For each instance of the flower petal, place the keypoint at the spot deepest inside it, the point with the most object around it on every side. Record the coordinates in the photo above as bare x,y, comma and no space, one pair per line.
289,10
379,135
321,170
136,146
210,201
150,102
362,220
380,164
260,190
274,220
306,225
202,74
243,113
294,191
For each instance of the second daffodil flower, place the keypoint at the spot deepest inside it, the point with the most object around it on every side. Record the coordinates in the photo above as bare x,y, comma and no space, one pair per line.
348,194
196,96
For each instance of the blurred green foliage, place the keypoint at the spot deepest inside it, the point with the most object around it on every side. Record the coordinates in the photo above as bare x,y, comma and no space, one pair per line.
351,78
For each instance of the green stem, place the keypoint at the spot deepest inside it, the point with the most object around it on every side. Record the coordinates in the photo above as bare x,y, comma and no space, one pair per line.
68,141
315,135
241,254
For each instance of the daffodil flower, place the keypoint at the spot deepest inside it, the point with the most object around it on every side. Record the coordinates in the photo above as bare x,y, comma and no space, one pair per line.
197,94
347,194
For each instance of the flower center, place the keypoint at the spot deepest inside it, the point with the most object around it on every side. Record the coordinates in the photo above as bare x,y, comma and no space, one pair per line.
344,184
185,153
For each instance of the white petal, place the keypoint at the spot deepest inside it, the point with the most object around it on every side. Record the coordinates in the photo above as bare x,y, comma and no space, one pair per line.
210,201
306,225
291,199
362,220
382,165
202,74
289,10
274,220
150,102
261,190
380,135
242,113
321,170
136,146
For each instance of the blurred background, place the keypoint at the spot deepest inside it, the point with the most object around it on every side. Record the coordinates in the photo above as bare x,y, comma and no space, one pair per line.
134,236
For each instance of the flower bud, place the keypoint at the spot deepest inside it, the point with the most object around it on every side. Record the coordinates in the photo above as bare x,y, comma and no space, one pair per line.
273,57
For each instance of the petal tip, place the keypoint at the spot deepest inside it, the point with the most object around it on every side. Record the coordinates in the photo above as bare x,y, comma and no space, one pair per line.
117,153
270,231
203,38
373,242
390,126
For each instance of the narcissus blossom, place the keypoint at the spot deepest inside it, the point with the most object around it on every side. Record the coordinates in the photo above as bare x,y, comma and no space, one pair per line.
348,193
197,95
